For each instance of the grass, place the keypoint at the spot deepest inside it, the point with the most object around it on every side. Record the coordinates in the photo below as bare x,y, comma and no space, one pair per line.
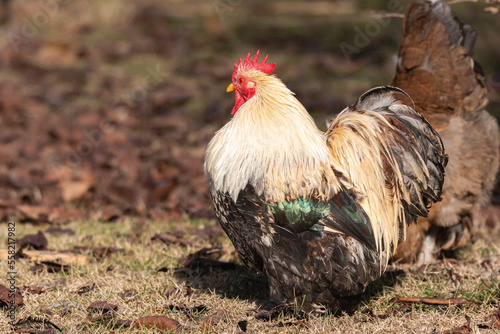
130,279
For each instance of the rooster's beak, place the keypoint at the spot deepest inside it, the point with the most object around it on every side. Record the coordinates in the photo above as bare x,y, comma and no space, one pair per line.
230,88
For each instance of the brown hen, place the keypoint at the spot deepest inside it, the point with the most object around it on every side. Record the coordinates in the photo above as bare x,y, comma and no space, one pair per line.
436,68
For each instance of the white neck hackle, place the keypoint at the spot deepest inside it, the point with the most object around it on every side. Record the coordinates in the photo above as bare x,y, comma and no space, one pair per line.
273,144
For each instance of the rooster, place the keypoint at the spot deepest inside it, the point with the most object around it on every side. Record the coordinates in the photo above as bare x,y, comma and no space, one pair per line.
435,67
319,214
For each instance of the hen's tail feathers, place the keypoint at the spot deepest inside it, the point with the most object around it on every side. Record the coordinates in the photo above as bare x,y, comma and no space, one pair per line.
435,65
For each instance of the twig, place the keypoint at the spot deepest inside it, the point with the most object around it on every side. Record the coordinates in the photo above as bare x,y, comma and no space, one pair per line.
434,301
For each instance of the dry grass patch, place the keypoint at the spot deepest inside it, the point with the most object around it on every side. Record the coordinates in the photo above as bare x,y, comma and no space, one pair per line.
144,278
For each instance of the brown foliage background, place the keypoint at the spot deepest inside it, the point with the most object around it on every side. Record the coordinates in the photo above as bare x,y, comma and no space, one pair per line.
106,107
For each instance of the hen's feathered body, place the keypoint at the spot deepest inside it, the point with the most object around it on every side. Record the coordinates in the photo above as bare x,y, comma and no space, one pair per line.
436,68
319,213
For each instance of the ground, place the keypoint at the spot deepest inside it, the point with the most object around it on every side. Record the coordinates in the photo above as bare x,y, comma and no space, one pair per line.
142,275
106,108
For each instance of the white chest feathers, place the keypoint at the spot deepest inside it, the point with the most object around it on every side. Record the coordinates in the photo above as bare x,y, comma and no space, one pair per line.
279,150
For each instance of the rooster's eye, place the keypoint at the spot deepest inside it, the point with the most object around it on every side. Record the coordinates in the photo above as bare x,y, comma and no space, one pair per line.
240,81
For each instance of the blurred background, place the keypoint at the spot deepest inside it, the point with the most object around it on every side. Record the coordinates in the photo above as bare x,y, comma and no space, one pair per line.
106,107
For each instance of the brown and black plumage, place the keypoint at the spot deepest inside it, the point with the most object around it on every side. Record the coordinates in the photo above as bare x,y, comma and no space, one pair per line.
319,213
436,68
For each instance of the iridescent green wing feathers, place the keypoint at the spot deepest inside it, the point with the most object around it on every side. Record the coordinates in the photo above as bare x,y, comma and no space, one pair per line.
301,214
341,214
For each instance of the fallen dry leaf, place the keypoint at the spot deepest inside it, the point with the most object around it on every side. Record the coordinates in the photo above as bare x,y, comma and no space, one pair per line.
33,290
51,267
189,311
86,288
486,264
170,239
58,230
110,213
37,241
34,213
4,254
103,252
158,215
495,318
160,322
129,293
101,307
212,320
101,312
211,252
493,321
421,270
185,291
79,249
455,277
6,300
73,190
465,329
63,214
123,323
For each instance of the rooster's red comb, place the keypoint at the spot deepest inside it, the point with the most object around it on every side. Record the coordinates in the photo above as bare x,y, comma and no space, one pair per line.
254,65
